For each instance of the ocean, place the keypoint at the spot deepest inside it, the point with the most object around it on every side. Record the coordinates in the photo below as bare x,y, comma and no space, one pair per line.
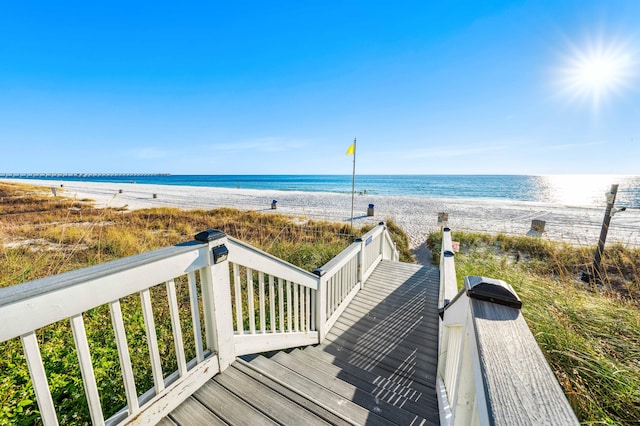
578,190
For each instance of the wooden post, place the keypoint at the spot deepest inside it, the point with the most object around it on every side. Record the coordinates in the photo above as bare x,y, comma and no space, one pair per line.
597,259
321,305
216,298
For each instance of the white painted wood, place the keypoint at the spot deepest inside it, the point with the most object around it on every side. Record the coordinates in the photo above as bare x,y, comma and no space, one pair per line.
250,304
321,309
272,304
307,309
223,325
256,343
281,304
175,394
453,359
446,417
176,327
237,285
195,316
33,305
39,379
152,340
125,359
244,254
314,310
296,307
208,303
370,270
289,313
361,262
336,314
335,264
261,301
448,284
86,369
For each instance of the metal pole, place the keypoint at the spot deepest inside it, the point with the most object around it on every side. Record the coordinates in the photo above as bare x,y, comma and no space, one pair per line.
597,259
353,181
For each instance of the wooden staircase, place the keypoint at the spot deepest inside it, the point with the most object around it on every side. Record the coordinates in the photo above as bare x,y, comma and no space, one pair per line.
376,366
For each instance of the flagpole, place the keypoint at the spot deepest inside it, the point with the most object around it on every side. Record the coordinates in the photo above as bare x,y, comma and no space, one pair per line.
353,181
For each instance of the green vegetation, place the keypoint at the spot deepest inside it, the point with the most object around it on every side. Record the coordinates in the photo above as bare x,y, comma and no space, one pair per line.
42,235
590,334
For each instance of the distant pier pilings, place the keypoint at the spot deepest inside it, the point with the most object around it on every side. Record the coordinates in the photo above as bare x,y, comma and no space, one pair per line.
77,175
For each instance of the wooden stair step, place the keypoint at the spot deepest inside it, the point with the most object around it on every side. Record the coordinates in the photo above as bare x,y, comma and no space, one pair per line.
353,393
314,392
265,399
320,411
422,408
392,356
381,331
192,412
387,378
231,409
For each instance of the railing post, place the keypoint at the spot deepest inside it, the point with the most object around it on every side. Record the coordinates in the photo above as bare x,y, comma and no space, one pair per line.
381,251
361,262
321,305
216,297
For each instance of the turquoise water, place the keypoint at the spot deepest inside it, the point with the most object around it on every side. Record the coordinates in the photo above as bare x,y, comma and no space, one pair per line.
579,190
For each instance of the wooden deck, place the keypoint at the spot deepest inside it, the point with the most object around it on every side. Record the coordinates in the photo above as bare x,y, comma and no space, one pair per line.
377,365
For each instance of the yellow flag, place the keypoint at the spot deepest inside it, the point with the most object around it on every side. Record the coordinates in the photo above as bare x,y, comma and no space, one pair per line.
351,150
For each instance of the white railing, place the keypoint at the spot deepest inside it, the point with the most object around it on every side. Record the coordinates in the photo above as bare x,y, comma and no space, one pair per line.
490,368
238,300
273,301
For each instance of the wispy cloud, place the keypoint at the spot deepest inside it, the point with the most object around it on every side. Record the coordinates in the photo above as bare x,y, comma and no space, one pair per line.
148,153
267,144
448,152
559,147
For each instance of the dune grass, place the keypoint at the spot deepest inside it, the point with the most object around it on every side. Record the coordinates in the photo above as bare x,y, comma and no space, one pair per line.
589,334
42,235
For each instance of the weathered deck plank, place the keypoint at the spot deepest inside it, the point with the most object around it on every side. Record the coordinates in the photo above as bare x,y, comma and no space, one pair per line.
376,366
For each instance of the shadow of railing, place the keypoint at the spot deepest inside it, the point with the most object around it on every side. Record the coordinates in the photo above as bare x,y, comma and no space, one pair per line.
393,334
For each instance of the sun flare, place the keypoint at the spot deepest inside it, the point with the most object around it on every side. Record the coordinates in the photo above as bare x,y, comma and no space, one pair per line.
597,72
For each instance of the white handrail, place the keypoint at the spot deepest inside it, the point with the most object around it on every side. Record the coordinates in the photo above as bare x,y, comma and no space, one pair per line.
292,308
490,368
27,307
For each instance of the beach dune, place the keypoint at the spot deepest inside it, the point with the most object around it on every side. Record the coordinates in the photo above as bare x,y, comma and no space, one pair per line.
416,215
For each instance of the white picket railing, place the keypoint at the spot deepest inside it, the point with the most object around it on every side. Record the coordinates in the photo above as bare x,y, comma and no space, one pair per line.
249,302
276,298
490,368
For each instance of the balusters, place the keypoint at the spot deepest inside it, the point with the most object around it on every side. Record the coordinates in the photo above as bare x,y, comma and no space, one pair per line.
86,369
39,379
238,298
289,324
195,316
261,301
272,304
250,307
123,354
152,340
296,307
175,325
281,304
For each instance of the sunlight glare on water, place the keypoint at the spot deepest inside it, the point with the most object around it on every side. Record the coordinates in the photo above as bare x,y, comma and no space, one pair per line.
576,190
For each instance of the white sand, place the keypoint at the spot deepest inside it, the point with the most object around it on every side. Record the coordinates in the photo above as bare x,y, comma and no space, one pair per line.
418,216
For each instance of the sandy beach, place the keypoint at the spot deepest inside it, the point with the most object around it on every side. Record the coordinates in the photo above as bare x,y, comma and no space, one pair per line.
417,215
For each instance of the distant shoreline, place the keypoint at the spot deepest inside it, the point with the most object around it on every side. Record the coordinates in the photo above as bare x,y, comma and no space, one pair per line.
416,215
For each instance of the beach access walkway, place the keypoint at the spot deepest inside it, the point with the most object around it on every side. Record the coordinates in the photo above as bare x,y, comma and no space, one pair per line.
377,365
365,339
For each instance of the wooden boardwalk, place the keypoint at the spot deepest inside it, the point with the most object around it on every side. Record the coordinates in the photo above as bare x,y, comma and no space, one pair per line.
376,366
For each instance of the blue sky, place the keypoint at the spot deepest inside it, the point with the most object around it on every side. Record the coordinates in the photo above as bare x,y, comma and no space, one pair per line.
248,87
